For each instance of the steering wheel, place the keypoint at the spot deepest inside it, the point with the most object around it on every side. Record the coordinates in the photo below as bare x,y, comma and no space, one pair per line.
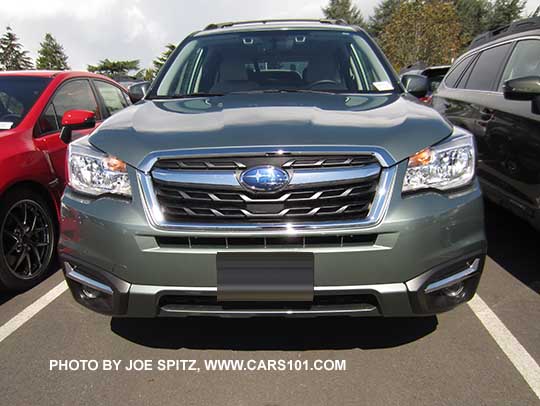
322,82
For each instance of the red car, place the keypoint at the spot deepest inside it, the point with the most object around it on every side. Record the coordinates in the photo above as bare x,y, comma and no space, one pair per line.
34,105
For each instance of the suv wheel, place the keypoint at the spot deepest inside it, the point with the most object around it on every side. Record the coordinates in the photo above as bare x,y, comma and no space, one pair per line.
27,239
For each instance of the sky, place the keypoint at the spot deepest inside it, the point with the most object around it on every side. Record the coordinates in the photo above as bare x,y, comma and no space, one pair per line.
92,30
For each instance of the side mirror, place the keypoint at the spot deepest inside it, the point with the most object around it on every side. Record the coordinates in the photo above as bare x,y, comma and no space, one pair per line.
76,120
527,88
417,85
137,91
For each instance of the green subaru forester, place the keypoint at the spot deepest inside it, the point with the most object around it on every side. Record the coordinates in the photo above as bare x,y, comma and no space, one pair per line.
274,168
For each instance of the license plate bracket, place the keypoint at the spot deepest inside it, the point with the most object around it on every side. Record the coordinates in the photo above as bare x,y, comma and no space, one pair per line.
265,277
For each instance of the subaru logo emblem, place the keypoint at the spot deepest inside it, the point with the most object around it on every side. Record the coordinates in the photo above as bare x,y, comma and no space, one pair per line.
264,178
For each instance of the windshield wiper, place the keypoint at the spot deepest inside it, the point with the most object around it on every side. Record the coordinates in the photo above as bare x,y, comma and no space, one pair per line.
185,96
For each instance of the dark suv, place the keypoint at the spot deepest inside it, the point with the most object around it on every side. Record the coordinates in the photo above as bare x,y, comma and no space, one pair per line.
493,91
274,168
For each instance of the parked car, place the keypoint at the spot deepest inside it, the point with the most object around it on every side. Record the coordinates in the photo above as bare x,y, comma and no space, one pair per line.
493,90
433,74
261,177
33,107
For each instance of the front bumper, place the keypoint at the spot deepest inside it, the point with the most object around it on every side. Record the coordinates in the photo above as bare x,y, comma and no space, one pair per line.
423,295
383,269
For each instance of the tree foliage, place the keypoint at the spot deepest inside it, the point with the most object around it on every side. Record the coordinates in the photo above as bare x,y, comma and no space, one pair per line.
427,31
474,17
114,68
160,61
382,15
345,10
51,55
12,54
503,12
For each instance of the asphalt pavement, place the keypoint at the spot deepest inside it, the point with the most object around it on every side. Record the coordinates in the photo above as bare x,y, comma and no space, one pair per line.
470,356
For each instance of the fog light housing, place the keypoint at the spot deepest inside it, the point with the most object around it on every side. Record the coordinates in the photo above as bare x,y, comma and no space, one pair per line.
89,293
455,291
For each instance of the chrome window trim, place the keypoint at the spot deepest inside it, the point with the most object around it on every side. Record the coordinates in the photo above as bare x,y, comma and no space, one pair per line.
383,156
375,216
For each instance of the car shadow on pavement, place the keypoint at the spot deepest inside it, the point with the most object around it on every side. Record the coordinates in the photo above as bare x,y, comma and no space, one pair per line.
513,244
274,333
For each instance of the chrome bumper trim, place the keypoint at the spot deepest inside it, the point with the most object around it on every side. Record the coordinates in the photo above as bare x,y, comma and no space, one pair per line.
72,274
453,279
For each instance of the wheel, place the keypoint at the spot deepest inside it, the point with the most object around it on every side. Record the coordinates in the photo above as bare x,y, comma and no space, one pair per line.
28,236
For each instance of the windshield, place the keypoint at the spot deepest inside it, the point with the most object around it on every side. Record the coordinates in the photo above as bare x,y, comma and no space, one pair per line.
330,61
17,96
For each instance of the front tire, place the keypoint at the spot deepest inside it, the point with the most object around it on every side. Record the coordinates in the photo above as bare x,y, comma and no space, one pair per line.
28,237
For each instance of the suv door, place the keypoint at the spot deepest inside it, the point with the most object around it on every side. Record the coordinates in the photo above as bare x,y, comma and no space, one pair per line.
74,94
513,138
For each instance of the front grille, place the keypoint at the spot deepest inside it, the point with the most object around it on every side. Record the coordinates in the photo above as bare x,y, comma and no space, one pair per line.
322,201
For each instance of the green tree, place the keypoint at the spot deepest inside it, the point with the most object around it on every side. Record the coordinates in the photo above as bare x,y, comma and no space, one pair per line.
344,10
474,16
12,54
426,31
503,12
51,55
114,68
382,15
160,61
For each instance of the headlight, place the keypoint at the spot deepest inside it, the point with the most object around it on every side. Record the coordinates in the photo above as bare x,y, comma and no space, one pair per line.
447,165
92,172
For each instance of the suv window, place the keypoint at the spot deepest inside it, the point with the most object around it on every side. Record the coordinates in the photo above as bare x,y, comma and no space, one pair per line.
275,60
47,121
74,95
112,96
453,76
17,96
525,61
487,66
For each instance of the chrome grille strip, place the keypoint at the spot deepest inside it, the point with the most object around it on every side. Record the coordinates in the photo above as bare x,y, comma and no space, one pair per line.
229,179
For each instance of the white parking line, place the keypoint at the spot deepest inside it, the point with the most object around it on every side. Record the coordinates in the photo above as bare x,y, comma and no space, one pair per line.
12,325
518,355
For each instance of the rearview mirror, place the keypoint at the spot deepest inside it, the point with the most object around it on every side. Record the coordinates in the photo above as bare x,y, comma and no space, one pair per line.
137,91
76,120
417,85
526,88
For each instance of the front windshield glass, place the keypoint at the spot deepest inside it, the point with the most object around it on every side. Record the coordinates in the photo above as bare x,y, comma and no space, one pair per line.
17,96
316,60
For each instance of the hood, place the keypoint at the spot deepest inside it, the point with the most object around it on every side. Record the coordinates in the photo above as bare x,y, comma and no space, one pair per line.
394,122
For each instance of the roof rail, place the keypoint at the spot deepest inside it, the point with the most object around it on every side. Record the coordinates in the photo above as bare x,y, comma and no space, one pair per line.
216,26
506,30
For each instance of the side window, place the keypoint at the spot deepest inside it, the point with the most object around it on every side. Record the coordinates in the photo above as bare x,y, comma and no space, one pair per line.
525,61
487,66
112,96
47,121
74,95
453,76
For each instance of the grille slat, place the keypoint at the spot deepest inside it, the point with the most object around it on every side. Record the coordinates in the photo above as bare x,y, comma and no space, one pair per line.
300,162
348,199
